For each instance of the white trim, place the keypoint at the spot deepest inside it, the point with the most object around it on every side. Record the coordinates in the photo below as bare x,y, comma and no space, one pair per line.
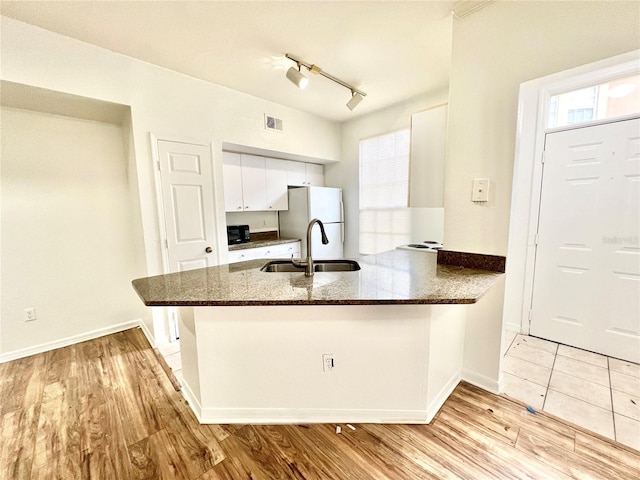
65,342
527,172
155,158
274,416
513,327
436,404
192,400
481,381
147,333
592,123
277,416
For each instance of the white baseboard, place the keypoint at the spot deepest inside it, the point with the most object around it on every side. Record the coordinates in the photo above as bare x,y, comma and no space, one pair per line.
481,381
65,342
441,397
148,334
191,399
513,327
278,416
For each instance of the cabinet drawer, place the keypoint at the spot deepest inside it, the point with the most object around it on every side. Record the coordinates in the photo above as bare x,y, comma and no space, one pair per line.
242,255
283,250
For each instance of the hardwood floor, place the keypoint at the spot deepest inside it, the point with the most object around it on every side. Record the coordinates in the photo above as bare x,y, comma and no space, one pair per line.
105,409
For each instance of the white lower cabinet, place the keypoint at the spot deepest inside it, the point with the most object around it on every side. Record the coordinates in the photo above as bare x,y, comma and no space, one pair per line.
283,250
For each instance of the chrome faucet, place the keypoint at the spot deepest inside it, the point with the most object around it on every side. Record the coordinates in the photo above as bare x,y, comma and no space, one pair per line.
308,263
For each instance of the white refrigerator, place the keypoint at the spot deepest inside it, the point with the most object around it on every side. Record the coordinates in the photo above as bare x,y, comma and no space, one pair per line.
323,203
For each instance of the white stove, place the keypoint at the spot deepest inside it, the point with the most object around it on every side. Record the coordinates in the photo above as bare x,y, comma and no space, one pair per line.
426,246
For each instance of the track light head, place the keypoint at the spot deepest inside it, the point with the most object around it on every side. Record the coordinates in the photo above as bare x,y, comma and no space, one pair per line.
297,78
355,100
301,81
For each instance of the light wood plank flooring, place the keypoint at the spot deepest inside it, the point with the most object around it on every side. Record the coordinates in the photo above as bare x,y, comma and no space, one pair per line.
105,409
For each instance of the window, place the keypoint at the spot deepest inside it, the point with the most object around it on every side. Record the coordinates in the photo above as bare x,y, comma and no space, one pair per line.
610,99
579,115
384,192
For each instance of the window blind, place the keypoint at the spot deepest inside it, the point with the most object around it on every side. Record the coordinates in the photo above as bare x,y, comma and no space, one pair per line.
384,190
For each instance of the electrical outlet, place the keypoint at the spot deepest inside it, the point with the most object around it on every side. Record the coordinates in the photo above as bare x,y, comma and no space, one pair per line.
327,362
30,314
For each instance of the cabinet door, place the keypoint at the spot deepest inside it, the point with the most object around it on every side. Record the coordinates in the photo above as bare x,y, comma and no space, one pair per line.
236,256
232,179
276,175
254,183
296,174
315,175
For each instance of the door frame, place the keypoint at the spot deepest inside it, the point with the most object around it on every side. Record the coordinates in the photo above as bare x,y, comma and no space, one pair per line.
154,139
164,318
533,104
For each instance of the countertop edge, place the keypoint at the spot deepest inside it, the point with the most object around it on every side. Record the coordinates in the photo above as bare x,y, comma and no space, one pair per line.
179,291
261,243
262,303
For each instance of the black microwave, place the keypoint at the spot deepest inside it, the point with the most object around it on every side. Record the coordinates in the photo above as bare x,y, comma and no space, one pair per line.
238,234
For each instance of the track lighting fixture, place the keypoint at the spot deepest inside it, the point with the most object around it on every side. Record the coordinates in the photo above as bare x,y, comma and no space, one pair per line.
301,81
356,98
297,78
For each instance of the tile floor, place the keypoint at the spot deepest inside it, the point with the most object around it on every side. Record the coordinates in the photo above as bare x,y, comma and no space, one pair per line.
594,391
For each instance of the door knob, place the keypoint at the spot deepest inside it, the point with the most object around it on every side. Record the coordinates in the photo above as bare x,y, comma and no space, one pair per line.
208,249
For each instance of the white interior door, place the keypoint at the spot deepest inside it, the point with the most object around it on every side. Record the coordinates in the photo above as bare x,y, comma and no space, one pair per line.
586,288
187,199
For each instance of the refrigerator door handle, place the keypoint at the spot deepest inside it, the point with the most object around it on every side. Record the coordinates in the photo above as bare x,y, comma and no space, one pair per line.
341,210
342,232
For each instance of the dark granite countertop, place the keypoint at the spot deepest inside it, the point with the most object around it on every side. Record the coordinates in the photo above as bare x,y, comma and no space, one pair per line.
393,277
261,243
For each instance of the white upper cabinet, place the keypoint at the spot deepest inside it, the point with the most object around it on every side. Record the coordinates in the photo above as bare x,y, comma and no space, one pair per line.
296,173
301,174
254,183
276,175
232,177
315,175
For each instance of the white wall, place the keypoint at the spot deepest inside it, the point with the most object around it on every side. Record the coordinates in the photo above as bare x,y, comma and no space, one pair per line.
165,103
345,174
494,51
69,245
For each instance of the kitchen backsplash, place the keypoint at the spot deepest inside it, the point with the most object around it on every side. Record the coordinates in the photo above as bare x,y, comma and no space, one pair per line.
257,221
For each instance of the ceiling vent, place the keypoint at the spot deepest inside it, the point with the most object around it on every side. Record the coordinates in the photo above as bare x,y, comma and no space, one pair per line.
272,123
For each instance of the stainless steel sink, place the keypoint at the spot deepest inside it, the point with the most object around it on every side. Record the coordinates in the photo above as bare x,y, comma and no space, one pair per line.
281,266
318,266
336,266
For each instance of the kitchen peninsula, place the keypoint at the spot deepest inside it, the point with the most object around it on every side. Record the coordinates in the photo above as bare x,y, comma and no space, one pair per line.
381,344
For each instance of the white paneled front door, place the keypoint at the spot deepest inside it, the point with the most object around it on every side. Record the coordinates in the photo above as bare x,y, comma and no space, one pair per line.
187,201
586,288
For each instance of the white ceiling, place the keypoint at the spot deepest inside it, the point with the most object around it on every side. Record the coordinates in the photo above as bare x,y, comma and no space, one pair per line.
392,50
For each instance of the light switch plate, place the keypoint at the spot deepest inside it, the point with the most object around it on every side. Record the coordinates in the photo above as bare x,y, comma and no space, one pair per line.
480,192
